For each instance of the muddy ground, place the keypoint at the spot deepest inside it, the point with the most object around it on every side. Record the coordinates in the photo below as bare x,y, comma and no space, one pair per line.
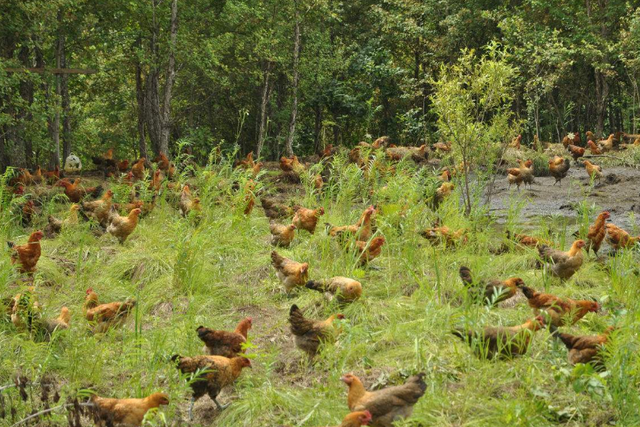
619,193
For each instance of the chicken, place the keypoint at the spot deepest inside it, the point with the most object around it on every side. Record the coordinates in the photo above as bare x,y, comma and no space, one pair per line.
138,169
442,193
25,311
585,348
105,162
249,197
606,144
356,419
561,310
369,250
56,225
52,176
590,136
122,226
328,151
289,272
215,373
103,316
125,412
282,235
37,176
28,211
528,241
594,171
255,170
99,209
59,323
362,229
576,152
187,203
597,233
441,146
571,138
27,255
444,234
493,291
224,343
246,163
558,168
75,193
308,334
445,176
501,341
516,142
563,264
275,210
595,150
123,166
515,176
387,405
346,290
417,154
163,161
618,238
290,164
306,219
156,181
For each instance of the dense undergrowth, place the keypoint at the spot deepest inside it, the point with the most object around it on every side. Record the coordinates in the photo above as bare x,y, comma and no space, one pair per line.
215,270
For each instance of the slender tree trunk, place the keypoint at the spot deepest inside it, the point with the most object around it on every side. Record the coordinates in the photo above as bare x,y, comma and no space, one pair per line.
165,127
296,76
66,103
602,93
140,98
266,92
317,127
54,124
26,92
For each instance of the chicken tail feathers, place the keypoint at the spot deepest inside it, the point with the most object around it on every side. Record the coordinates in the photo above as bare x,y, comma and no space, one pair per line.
463,334
276,259
299,324
527,291
11,245
316,285
465,275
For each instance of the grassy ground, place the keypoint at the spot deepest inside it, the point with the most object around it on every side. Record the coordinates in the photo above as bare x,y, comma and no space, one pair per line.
186,273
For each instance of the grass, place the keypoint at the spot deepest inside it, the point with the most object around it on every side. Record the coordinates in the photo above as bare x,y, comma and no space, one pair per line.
215,270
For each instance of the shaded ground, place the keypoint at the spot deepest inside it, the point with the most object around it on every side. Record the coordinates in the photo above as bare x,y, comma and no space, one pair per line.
619,193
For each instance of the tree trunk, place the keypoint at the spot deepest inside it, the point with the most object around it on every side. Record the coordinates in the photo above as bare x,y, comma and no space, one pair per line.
317,127
66,103
54,124
266,92
152,110
26,92
602,93
142,142
165,126
296,76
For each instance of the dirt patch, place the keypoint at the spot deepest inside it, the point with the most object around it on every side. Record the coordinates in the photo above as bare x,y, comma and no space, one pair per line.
618,192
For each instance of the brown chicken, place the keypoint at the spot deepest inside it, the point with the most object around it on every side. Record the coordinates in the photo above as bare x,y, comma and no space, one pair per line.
563,264
138,169
216,373
75,193
559,168
289,164
444,234
308,334
99,209
125,412
163,161
493,291
618,238
528,241
501,341
27,255
306,219
56,225
249,197
275,210
122,226
442,193
289,272
387,405
441,146
362,229
103,316
585,348
594,171
123,166
597,233
606,144
282,235
561,310
328,151
576,152
59,323
27,213
346,290
516,142
156,181
52,176
590,136
445,176
369,250
595,150
23,176
224,343
188,203
571,139
356,419
246,163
